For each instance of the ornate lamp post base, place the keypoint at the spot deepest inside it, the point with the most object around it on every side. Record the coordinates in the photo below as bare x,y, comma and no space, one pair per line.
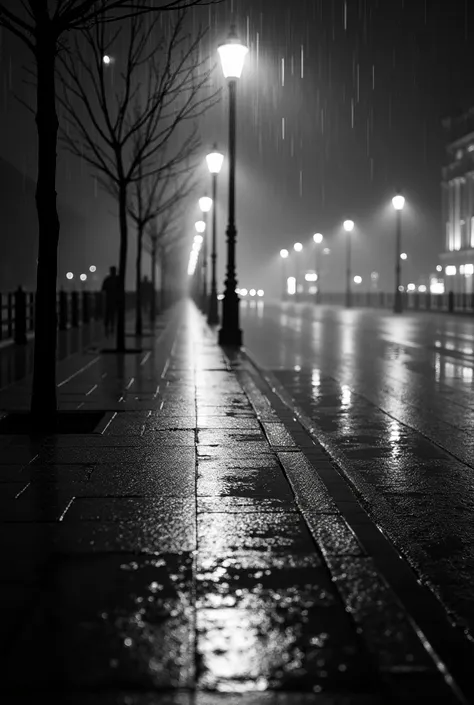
230,338
230,333
398,306
213,313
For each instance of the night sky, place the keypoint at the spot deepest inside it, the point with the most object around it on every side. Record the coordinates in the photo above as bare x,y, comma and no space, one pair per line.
339,105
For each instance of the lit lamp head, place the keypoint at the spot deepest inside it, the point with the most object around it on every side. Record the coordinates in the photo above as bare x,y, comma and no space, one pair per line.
232,54
83,277
200,226
106,59
92,268
349,226
318,238
214,161
205,204
69,275
198,239
398,202
297,247
284,254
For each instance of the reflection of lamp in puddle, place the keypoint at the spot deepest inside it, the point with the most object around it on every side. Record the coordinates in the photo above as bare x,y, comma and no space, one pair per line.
346,396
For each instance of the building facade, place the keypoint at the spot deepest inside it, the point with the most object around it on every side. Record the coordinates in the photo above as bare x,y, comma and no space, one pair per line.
457,258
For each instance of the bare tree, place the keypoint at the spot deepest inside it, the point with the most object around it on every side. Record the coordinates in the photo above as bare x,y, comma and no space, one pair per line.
121,124
44,26
155,196
164,233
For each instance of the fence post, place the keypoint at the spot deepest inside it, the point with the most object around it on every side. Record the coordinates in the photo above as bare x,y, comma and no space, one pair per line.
451,301
85,307
74,309
20,317
10,314
62,310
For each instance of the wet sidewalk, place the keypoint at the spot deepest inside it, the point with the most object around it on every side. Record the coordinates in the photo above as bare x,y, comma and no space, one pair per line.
195,548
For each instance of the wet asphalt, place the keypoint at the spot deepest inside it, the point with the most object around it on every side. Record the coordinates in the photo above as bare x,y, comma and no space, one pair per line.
392,399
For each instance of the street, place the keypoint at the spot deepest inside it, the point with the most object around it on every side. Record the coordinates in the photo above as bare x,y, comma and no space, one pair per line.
390,398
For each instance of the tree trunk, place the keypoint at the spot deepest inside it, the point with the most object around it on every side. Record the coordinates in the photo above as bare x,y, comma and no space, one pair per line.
153,283
138,285
122,268
43,398
162,279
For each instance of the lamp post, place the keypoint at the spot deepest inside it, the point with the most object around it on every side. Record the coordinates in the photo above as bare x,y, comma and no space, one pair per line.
232,55
317,239
398,203
214,164
205,204
200,227
348,227
284,256
298,247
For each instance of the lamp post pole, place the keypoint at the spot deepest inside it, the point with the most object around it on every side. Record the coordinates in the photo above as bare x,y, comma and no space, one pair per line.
348,227
317,239
232,54
398,308
398,203
230,333
284,256
213,314
204,267
348,272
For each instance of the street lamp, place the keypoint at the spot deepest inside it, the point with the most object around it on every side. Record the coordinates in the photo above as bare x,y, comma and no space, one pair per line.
205,204
284,254
214,163
200,226
232,55
348,227
317,239
398,203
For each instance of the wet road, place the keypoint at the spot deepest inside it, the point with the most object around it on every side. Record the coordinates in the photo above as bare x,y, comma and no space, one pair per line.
392,400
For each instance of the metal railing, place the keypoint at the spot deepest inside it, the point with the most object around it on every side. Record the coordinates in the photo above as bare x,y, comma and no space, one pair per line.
74,309
412,301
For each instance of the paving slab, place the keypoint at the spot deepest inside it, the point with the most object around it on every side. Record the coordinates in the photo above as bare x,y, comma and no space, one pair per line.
198,549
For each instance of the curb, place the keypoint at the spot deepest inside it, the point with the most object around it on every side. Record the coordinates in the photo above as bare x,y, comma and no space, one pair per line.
445,643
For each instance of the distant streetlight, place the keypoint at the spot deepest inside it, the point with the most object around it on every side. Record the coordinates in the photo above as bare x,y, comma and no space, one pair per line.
198,239
398,203
214,163
348,227
260,292
357,280
317,239
92,268
200,226
404,256
439,268
284,254
232,55
69,275
205,204
106,59
298,247
83,277
252,292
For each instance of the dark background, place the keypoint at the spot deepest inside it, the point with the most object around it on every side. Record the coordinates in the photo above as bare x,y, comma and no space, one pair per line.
364,120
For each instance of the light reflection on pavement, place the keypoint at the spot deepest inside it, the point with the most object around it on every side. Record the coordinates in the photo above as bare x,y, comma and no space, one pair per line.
393,397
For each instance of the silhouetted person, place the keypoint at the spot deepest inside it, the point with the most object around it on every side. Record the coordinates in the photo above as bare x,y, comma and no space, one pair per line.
110,288
147,288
